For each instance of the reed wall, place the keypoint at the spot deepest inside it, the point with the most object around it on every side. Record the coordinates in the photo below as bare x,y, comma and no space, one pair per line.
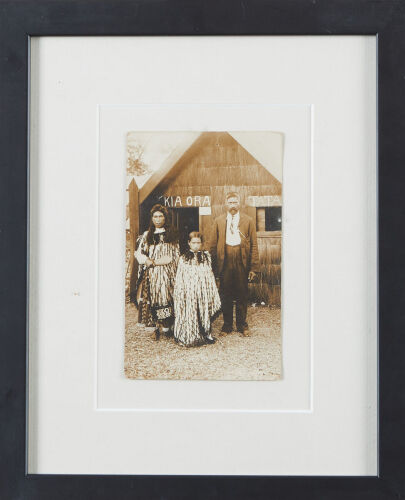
215,165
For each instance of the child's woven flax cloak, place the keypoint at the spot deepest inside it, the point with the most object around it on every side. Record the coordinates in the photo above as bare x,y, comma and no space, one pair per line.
196,298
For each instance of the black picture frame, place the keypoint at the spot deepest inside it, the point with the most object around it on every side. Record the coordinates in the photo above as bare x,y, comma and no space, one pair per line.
21,19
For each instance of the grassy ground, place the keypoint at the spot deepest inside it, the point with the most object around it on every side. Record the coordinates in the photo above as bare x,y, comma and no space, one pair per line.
232,357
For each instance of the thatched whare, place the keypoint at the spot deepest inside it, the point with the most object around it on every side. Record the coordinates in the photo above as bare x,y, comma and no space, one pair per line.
193,187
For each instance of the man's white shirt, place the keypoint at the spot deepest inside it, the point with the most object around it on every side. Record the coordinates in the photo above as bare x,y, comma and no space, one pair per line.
232,229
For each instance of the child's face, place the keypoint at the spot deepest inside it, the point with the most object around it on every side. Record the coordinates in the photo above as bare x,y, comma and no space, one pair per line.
195,244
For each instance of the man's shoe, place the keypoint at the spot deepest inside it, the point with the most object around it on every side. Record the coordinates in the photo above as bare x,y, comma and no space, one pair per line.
244,331
211,340
226,328
168,333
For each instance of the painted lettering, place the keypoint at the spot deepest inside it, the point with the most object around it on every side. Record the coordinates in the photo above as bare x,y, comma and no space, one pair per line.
189,201
178,201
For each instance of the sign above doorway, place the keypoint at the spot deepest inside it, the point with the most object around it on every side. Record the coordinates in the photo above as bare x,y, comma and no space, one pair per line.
185,201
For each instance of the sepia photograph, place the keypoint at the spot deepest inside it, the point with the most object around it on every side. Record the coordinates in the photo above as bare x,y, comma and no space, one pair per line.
203,255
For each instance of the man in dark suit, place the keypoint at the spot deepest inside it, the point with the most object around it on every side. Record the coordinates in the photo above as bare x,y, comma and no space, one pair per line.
233,247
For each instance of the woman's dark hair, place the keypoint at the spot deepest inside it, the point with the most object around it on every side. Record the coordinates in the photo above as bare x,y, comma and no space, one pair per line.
196,234
170,232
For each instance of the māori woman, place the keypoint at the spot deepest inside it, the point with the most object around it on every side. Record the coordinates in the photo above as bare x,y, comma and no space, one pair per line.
157,253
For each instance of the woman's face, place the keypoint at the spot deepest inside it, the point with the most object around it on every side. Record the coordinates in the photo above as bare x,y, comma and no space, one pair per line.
195,244
158,219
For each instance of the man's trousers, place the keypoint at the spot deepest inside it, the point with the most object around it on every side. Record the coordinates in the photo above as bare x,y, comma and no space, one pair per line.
234,287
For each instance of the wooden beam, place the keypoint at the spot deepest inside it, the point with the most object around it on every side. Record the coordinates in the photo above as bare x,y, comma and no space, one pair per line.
134,232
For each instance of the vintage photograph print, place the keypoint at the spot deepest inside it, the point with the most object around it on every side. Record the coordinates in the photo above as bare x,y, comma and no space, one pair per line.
203,255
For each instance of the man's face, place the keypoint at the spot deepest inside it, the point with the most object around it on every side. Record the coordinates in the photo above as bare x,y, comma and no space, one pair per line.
232,205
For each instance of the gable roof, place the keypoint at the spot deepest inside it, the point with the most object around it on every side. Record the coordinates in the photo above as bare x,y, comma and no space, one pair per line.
167,165
186,147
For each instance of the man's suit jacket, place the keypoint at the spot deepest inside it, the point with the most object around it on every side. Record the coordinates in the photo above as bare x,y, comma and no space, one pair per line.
248,242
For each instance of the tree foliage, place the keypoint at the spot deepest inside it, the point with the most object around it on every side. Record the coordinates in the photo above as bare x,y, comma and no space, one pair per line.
135,162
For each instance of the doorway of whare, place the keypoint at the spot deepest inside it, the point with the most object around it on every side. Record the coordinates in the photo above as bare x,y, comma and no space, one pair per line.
186,220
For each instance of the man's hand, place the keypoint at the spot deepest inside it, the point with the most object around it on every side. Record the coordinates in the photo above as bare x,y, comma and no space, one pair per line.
252,276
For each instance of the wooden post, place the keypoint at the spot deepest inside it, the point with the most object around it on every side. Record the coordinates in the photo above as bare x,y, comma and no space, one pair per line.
261,219
134,232
251,212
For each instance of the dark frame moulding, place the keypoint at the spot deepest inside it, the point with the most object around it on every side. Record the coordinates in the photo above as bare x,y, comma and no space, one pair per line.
20,19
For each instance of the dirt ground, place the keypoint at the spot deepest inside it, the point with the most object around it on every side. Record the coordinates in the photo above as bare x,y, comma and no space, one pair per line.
232,357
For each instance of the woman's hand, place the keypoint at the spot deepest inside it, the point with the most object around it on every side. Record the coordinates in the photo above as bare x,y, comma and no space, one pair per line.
163,261
149,262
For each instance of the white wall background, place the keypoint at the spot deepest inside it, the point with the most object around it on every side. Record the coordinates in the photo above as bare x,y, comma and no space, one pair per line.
334,77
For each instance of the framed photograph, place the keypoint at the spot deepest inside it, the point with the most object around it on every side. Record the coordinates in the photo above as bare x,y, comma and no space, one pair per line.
201,257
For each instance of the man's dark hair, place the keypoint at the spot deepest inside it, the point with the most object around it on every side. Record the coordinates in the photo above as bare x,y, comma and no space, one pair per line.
232,194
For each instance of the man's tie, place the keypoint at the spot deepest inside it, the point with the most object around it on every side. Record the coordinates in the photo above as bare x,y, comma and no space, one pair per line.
233,228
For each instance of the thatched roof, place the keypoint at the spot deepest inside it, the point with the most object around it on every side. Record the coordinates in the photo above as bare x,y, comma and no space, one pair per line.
167,165
185,152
